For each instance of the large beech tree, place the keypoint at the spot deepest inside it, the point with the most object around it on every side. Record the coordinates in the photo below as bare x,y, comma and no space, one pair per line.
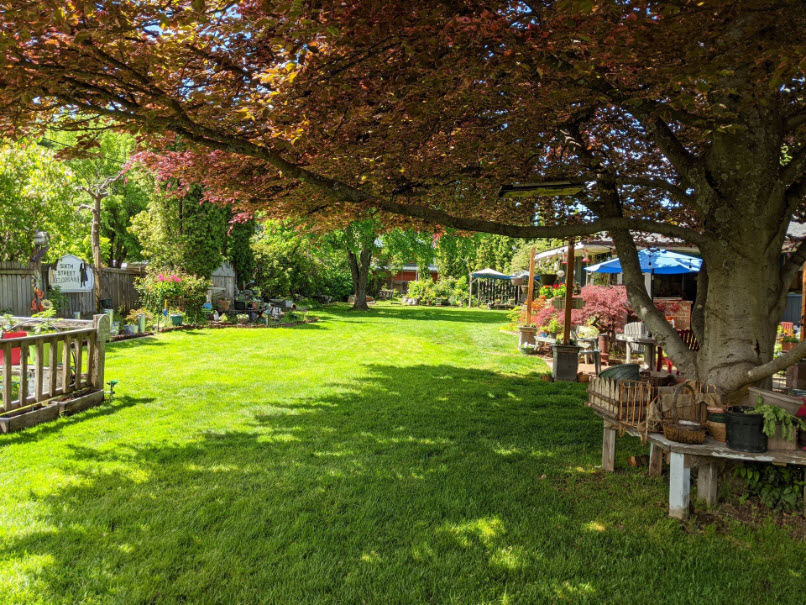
678,117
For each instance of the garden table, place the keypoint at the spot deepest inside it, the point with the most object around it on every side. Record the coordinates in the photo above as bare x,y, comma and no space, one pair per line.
683,457
649,344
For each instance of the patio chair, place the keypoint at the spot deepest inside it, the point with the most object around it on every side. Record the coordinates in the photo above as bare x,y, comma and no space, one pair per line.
688,338
590,352
635,329
787,326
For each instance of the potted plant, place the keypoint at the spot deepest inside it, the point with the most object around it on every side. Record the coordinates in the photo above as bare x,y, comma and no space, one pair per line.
780,427
243,318
176,318
528,348
553,327
46,326
130,327
744,430
788,340
223,305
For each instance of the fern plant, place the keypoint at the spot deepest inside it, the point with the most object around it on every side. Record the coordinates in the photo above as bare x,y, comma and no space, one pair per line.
773,416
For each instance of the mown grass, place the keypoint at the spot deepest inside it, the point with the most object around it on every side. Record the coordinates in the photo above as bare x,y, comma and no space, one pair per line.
407,455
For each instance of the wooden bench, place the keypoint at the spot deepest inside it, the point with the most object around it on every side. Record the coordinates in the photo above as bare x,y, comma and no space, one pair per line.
683,457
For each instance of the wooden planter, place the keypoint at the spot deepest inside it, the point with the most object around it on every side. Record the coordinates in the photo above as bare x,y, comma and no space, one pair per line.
558,302
788,346
779,443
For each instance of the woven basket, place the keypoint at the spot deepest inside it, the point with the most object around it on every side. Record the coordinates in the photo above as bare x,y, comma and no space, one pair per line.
684,431
717,430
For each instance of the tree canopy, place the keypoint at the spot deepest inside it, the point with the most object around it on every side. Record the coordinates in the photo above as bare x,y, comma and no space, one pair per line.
526,119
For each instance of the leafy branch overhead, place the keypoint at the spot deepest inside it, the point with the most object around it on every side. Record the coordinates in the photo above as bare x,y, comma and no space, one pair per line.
552,119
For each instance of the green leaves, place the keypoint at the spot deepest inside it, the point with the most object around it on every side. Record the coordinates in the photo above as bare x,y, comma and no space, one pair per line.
777,487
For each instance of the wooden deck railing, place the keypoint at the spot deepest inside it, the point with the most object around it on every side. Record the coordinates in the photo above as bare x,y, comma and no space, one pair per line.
54,363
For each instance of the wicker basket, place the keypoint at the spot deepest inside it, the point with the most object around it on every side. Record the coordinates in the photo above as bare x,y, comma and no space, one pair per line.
684,431
717,430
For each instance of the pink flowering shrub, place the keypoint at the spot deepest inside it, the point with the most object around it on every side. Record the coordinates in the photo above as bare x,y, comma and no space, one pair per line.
606,308
179,289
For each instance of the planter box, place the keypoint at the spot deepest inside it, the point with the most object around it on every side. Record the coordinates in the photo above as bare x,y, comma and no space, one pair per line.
790,404
526,335
81,403
9,424
558,302
779,443
566,362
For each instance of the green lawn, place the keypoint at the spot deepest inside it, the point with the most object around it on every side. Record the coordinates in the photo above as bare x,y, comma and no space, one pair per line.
406,455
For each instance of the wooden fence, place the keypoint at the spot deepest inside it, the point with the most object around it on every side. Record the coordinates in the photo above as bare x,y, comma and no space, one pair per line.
17,289
38,368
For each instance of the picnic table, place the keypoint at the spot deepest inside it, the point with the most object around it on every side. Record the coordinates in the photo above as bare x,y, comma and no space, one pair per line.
683,457
647,342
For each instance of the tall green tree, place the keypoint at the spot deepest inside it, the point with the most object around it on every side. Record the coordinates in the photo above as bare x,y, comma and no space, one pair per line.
290,262
239,249
36,194
359,239
180,230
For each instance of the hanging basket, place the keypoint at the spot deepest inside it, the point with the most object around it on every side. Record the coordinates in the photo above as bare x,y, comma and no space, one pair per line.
516,281
577,302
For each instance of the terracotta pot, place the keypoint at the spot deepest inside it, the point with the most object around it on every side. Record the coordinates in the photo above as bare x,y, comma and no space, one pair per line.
788,346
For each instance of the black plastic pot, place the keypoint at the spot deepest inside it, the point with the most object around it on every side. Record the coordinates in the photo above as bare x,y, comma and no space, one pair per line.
744,431
106,303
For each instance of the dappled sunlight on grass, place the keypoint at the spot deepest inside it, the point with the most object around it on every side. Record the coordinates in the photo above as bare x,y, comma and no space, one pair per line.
482,530
593,526
332,466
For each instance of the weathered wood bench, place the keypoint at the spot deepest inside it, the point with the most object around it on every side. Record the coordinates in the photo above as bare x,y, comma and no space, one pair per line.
683,457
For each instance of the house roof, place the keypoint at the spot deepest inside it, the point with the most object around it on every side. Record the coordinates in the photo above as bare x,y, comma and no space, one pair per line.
601,243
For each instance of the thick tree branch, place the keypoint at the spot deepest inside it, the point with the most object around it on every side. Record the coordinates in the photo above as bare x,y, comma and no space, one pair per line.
776,365
677,192
340,191
686,164
795,121
643,306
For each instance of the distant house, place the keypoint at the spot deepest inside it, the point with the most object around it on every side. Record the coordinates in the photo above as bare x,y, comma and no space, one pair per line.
409,273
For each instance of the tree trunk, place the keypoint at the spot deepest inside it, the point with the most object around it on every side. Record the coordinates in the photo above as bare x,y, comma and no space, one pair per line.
359,269
95,241
739,304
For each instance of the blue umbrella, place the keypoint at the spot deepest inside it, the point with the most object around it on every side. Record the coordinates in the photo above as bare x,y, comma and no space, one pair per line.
657,262
654,261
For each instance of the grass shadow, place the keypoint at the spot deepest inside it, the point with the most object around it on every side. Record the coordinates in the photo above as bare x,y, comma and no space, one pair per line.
40,431
424,483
